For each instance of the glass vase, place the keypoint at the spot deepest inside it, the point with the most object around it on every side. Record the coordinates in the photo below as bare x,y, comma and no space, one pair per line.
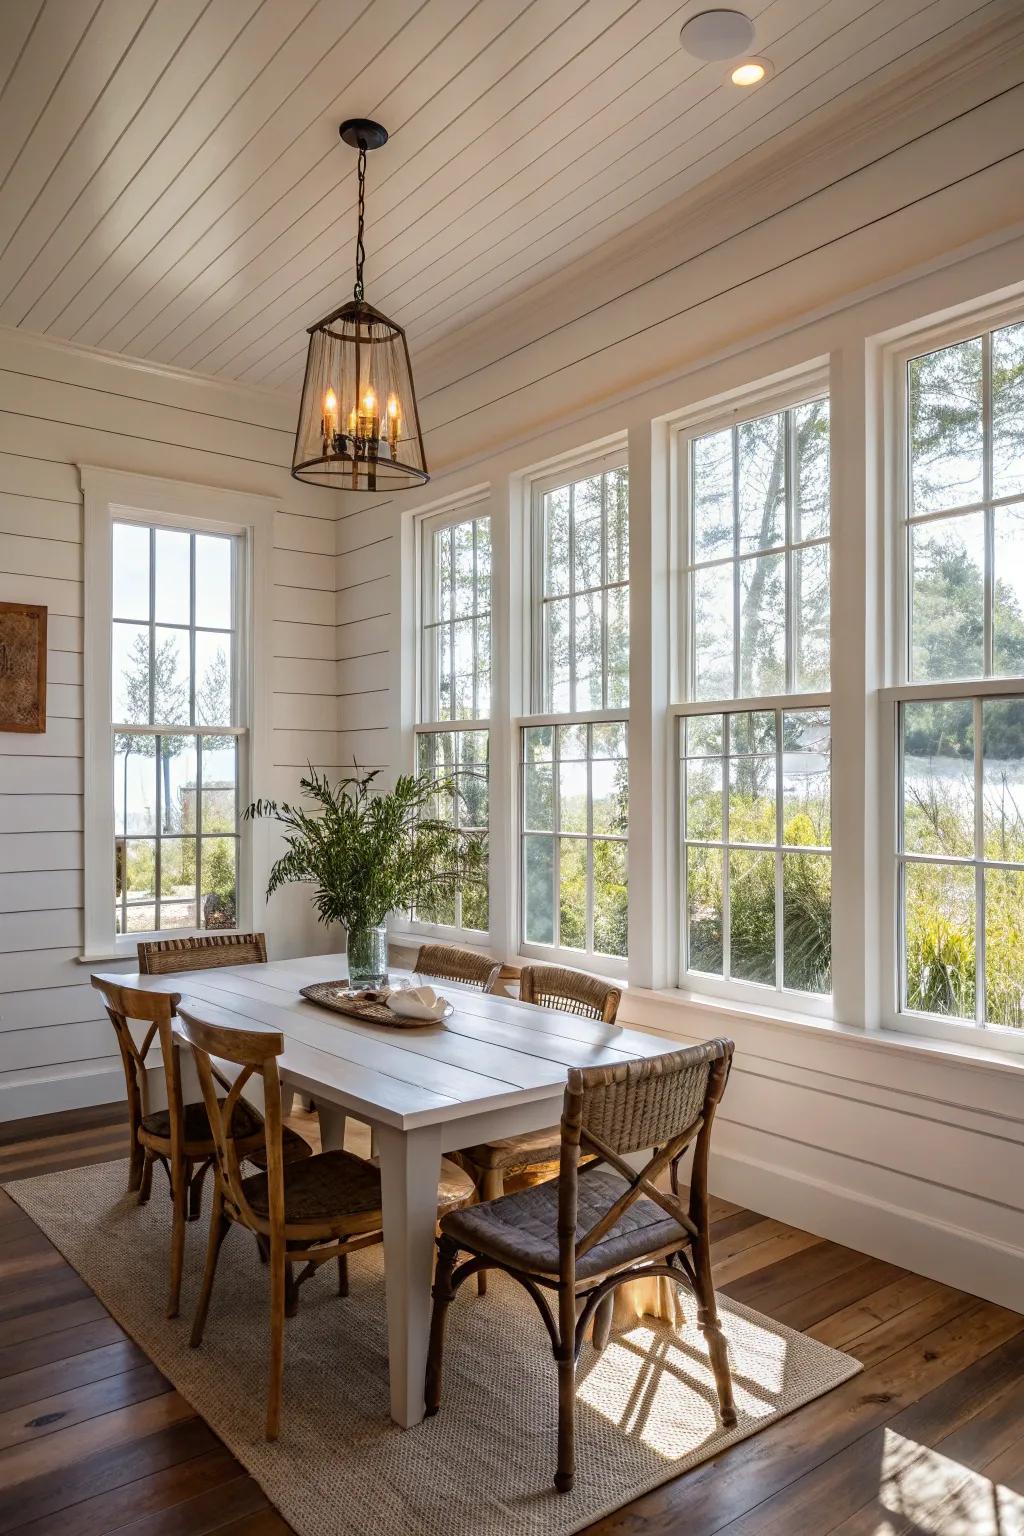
368,956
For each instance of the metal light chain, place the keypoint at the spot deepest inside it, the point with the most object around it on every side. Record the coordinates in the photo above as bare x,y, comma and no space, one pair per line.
360,250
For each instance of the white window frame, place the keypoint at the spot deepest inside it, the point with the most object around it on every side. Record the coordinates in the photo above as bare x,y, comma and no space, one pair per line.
116,496
535,488
426,525
898,689
812,384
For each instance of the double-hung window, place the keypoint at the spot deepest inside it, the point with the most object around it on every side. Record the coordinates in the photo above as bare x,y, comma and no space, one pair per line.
959,696
453,733
175,723
573,757
753,718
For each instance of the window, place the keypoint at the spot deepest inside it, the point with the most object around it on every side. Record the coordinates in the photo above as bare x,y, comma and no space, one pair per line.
756,816
175,728
573,768
758,556
575,820
755,780
455,686
581,576
456,606
960,705
176,720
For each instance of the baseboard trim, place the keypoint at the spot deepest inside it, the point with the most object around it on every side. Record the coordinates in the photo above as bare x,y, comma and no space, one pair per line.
969,1261
22,1096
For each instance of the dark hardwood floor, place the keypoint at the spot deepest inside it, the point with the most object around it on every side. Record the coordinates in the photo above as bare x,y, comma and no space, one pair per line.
927,1441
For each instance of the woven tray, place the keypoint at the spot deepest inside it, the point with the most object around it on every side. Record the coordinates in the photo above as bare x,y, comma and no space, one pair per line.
330,994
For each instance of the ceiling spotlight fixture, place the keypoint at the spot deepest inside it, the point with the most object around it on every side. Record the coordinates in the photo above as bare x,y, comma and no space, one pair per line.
359,427
751,72
717,35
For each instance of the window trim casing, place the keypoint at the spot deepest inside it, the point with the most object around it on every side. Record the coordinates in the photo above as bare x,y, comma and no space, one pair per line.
895,356
111,496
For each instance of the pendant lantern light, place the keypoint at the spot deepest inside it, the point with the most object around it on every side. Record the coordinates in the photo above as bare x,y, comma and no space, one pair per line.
359,427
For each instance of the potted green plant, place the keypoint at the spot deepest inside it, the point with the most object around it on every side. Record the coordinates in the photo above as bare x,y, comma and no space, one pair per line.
370,853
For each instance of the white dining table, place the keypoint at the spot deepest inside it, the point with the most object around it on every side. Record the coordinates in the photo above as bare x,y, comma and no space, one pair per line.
495,1067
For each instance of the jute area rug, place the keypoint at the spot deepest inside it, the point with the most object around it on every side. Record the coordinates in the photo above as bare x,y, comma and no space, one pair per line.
483,1466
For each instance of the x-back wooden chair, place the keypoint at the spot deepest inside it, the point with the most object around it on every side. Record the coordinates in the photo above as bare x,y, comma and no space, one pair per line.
306,1213
599,1227
178,1137
546,986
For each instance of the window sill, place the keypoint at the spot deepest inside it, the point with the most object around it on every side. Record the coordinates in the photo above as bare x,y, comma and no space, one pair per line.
966,1054
127,948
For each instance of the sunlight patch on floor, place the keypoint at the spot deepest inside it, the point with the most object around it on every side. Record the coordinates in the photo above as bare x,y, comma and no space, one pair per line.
659,1387
936,1496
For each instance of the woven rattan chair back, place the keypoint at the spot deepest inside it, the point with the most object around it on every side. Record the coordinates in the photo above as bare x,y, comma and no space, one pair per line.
164,957
555,986
450,963
664,1102
254,1052
156,1011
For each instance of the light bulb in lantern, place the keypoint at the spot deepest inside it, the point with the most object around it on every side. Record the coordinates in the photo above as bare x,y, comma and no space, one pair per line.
368,425
394,423
330,415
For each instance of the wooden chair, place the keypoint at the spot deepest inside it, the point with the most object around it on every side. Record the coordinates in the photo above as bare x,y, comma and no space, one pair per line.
489,1163
450,963
165,957
178,1137
306,1213
593,1230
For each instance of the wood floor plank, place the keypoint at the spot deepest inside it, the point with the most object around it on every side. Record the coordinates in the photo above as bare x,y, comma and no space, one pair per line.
53,1415
64,1373
851,1286
38,1322
65,1345
752,1258
171,1487
215,1511
851,1321
38,1499
50,1456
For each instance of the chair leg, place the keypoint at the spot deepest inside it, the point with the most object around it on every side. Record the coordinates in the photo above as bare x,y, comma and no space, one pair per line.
219,1224
179,1194
490,1186
291,1292
603,1322
342,1274
146,1182
136,1163
447,1253
195,1190
707,1321
565,1357
278,1283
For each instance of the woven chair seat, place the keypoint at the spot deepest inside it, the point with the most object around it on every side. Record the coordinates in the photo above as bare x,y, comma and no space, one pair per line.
516,1151
323,1188
246,1123
521,1230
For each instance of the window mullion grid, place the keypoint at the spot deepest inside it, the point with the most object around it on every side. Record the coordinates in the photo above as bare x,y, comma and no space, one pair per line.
726,892
980,1009
989,514
457,761
474,625
789,556
451,624
604,591
779,956
556,822
199,829
572,598
590,839
737,682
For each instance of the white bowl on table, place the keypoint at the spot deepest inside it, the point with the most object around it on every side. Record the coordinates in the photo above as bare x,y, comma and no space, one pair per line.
419,1003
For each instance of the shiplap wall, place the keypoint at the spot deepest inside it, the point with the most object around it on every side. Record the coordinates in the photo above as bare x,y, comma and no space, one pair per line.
907,1153
59,407
366,570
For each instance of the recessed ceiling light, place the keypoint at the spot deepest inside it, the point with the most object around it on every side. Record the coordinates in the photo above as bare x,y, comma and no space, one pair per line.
751,72
719,34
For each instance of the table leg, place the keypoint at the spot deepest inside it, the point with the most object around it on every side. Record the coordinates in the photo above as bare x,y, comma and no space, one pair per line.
332,1126
410,1165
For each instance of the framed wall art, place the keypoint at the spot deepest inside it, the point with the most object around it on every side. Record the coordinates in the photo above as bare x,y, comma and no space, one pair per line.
22,667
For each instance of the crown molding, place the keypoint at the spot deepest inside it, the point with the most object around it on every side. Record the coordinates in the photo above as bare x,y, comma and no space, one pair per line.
214,383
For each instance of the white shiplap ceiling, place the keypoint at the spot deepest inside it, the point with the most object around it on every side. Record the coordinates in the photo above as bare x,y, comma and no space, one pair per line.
172,185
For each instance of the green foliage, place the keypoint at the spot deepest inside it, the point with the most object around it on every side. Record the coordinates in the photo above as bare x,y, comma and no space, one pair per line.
369,853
